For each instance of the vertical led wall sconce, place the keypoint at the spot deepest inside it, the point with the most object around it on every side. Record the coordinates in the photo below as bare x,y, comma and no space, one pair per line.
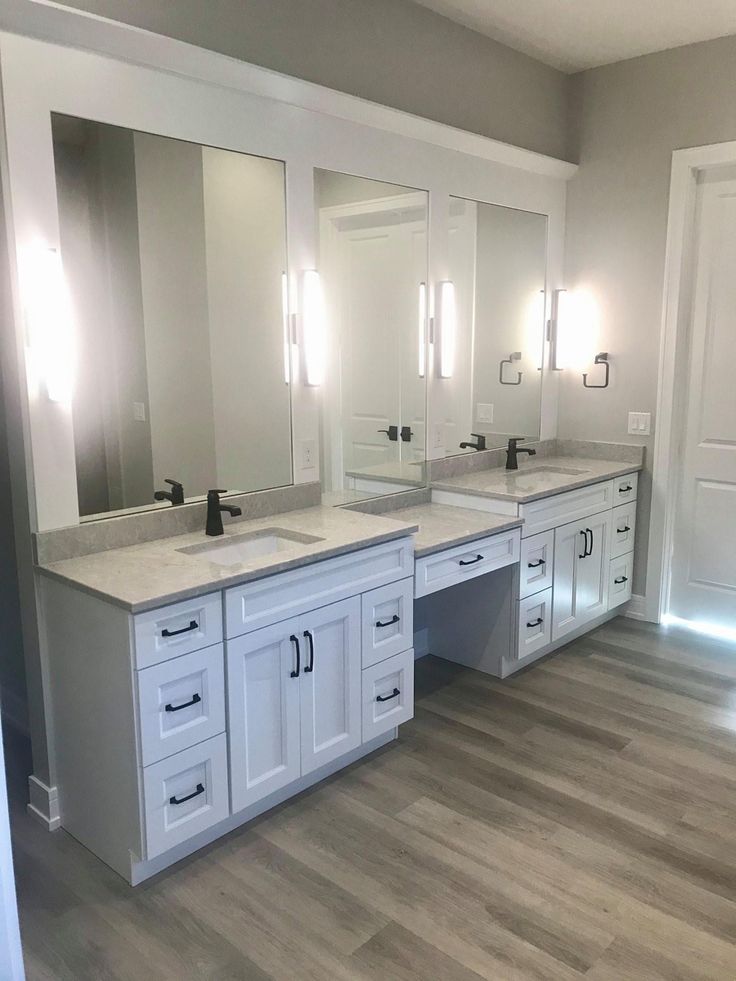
49,324
286,326
422,329
314,328
445,328
553,333
573,331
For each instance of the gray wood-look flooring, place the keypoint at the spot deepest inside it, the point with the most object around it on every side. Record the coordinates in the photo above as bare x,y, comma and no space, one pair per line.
578,820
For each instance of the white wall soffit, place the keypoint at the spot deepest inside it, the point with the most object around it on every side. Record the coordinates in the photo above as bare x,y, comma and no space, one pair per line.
48,21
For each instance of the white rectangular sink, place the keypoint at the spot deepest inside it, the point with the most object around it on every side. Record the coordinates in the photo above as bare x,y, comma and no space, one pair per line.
562,471
236,549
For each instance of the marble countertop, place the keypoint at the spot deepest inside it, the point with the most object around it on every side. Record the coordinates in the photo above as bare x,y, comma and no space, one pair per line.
143,577
535,478
442,526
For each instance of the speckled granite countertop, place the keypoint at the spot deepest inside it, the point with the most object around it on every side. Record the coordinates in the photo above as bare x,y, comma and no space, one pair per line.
535,478
143,577
442,526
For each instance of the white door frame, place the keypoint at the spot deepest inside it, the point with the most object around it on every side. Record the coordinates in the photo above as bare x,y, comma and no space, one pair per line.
671,403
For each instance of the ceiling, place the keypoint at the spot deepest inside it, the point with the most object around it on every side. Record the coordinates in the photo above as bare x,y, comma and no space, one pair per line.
577,34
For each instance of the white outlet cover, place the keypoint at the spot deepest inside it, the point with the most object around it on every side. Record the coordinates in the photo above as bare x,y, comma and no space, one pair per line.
309,454
438,436
484,412
139,411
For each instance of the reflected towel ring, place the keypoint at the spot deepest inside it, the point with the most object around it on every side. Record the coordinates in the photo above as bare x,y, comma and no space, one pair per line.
514,356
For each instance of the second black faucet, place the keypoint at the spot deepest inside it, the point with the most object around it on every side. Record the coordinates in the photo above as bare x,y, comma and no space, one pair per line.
513,450
214,512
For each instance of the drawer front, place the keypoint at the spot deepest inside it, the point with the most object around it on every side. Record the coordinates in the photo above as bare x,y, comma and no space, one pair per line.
177,629
619,583
388,621
185,794
254,605
535,623
624,488
623,529
181,702
536,563
561,509
388,694
455,565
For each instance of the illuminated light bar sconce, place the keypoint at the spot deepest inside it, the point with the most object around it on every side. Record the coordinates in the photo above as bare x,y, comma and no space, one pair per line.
286,326
559,298
422,325
49,323
445,328
314,328
601,358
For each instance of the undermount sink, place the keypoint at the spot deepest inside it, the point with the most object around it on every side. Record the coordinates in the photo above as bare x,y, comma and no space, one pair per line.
561,471
235,549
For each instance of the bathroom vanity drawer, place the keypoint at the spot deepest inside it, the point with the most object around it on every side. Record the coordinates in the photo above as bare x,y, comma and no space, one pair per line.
550,512
619,583
455,565
181,702
536,563
625,488
387,621
388,694
177,629
256,604
623,529
185,794
535,623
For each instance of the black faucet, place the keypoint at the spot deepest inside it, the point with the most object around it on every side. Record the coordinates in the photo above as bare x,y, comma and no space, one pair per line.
480,445
175,495
214,512
512,450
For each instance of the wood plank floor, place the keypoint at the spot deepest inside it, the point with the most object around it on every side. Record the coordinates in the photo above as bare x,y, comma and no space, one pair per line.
578,820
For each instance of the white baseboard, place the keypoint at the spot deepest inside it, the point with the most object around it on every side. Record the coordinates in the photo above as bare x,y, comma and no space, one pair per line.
44,803
14,711
421,643
636,607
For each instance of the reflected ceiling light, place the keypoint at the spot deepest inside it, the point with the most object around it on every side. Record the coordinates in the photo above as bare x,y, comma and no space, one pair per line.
48,314
719,631
446,327
314,335
422,329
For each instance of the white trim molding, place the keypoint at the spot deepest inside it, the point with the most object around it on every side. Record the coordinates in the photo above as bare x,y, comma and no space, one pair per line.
635,609
43,804
686,166
49,21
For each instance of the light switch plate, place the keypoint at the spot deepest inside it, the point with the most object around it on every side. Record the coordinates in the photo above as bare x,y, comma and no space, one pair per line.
484,412
139,411
640,423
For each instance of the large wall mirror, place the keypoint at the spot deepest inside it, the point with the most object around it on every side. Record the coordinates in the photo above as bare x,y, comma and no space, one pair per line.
373,264
175,255
498,264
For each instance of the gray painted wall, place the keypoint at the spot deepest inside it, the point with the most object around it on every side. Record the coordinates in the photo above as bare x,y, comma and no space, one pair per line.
390,51
630,117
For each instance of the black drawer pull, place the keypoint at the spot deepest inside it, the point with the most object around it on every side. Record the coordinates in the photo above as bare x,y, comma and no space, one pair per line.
536,622
626,489
309,667
621,579
387,698
622,531
183,800
193,625
535,565
184,705
295,640
394,619
478,558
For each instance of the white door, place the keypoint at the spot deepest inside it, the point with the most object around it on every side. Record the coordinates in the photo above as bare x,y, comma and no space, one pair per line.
11,958
580,590
330,682
263,703
703,582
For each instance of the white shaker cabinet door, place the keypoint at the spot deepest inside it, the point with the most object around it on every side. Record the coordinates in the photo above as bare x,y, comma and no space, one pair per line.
263,700
580,591
330,683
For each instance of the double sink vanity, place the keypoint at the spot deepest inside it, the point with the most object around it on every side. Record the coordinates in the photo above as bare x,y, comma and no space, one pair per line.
200,681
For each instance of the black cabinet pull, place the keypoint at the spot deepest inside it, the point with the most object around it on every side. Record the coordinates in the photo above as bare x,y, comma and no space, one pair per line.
478,558
193,625
394,619
295,640
536,622
185,705
183,800
621,579
535,565
584,533
387,698
626,489
310,667
622,531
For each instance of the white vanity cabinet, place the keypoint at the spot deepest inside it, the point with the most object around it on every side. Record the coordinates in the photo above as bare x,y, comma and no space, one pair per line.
580,582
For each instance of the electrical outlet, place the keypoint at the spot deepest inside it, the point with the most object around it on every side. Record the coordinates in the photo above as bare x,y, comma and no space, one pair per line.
139,411
640,423
309,454
484,412
438,436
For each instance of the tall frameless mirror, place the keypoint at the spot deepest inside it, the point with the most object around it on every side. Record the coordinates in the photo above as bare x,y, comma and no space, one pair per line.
175,256
498,264
373,265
